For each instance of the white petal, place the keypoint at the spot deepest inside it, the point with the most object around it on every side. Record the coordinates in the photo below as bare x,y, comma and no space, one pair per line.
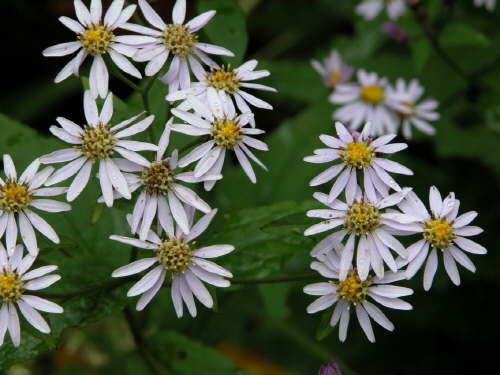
151,16
42,226
125,65
213,251
134,267
13,325
451,267
42,282
179,12
364,321
150,293
33,317
147,282
90,108
38,272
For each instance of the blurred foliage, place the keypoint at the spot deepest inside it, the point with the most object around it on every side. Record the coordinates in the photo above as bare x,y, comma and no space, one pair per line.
452,328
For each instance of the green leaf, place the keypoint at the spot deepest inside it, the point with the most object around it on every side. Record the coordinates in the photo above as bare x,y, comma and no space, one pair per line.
421,50
258,254
460,34
274,298
324,328
30,347
186,357
227,28
294,224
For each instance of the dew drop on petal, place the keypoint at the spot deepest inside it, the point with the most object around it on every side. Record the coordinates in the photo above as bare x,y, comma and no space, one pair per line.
391,181
451,204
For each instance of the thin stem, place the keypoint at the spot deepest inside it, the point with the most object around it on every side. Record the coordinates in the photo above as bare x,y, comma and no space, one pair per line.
111,66
123,280
150,360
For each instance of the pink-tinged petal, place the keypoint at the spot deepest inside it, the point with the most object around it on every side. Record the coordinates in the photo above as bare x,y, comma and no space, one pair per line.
254,100
165,216
134,242
206,162
16,257
147,282
448,204
9,167
363,258
191,198
70,127
245,164
320,289
385,177
71,67
364,321
464,219
72,25
187,294
156,63
351,187
188,129
252,156
346,257
208,277
393,303
321,303
391,242
377,315
198,289
173,72
107,110
151,16
113,12
125,15
60,156
126,122
435,201
42,226
42,304
137,146
468,231
62,49
82,13
42,282
125,65
134,267
50,205
390,291
33,317
38,272
148,216
196,154
105,182
80,181
392,166
461,258
179,12
192,118
98,78
327,175
212,267
11,233
133,157
384,252
4,321
451,267
323,226
213,251
64,135
178,212
40,178
201,225
258,87
29,172
117,179
344,323
65,172
138,211
391,148
198,22
214,50
13,325
28,234
470,246
339,185
95,11
176,296
430,269
150,293
417,262
90,108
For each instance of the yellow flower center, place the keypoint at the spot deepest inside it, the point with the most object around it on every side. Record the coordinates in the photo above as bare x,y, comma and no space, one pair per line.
362,218
372,94
439,232
11,287
97,141
158,179
14,197
175,255
352,288
179,40
334,77
357,154
226,132
222,79
96,39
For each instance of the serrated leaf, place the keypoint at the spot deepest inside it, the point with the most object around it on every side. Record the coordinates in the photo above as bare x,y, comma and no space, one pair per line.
461,34
227,28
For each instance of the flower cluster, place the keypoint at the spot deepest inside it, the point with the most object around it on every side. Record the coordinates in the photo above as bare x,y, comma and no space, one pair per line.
370,223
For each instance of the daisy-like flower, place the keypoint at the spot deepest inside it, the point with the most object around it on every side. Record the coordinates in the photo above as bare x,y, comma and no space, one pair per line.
97,140
489,4
14,282
161,194
334,70
357,151
17,195
230,83
178,39
369,9
364,101
95,38
225,130
394,31
330,369
417,114
355,291
361,219
441,230
175,255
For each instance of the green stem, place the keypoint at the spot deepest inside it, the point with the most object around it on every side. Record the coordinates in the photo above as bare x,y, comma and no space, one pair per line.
150,360
117,282
112,67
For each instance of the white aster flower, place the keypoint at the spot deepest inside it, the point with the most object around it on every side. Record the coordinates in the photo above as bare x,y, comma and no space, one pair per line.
489,4
417,114
362,219
175,255
355,291
178,39
14,282
369,9
95,37
441,230
357,151
364,101
225,130
334,70
227,83
162,195
17,194
97,140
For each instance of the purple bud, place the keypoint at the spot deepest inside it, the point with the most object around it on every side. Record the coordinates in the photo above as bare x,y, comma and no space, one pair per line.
330,369
394,31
